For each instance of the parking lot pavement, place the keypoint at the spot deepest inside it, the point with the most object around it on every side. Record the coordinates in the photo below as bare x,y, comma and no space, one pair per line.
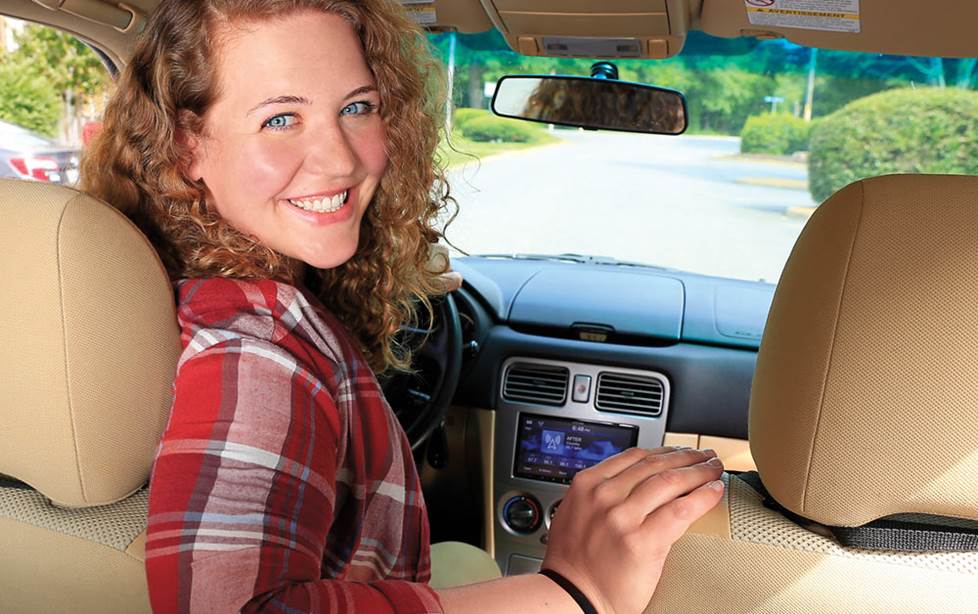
684,202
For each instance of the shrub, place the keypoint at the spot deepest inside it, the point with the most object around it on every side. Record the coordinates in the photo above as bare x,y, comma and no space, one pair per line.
28,100
491,128
774,133
464,115
926,130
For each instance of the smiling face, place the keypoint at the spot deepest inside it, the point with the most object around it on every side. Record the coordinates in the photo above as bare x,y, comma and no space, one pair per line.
293,149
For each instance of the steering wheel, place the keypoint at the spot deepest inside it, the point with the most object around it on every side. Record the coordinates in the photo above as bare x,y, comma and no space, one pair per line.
421,399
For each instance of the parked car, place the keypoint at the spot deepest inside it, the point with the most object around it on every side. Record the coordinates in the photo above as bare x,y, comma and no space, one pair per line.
618,293
28,155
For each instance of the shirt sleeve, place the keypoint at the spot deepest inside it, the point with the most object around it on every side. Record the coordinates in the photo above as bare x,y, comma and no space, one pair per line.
242,494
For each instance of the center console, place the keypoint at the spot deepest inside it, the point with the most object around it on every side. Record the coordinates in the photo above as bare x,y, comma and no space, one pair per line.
555,418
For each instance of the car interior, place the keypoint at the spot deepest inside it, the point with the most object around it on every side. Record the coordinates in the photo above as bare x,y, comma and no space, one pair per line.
842,400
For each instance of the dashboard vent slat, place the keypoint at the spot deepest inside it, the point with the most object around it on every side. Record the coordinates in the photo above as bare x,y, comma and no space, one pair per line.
536,383
630,394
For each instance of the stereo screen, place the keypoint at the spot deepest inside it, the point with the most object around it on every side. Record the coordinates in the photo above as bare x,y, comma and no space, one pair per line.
554,449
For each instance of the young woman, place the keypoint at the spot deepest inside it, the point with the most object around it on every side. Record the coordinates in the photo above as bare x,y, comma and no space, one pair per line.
279,155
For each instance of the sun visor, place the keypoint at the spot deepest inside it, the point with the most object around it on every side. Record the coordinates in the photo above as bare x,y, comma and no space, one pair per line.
460,15
898,27
592,301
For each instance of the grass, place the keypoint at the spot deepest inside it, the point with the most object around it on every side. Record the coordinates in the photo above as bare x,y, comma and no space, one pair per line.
466,151
776,182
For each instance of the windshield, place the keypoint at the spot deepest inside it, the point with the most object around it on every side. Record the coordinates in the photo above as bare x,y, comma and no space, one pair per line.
774,128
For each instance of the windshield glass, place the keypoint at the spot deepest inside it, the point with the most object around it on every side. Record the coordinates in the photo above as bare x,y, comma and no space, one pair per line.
774,128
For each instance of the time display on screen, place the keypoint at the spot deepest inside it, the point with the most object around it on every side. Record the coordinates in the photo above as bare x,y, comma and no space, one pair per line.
554,449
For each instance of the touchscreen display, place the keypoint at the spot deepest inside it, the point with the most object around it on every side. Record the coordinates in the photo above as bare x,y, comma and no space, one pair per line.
554,449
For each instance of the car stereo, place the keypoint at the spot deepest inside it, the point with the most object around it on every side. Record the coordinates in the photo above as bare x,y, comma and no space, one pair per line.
553,449
541,442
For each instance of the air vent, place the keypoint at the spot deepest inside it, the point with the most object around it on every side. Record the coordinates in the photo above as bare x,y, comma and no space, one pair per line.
536,383
629,394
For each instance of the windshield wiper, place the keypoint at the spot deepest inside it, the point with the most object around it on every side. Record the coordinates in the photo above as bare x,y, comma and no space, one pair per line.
577,258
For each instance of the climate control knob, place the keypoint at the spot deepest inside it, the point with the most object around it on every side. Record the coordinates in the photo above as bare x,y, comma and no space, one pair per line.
522,514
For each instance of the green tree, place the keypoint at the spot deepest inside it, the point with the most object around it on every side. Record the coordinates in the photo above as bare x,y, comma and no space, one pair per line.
27,100
66,64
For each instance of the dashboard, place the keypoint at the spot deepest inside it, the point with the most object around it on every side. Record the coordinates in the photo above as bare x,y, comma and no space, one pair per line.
579,360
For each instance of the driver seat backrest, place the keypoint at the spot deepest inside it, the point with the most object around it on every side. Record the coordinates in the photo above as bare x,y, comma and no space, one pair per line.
864,410
90,347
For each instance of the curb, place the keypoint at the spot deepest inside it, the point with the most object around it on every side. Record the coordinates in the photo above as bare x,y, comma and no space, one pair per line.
502,154
800,212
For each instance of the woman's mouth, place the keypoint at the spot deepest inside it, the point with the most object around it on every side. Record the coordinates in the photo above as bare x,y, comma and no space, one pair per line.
321,204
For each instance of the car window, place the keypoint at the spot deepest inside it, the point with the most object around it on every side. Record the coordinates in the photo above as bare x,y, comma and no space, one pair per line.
53,89
775,128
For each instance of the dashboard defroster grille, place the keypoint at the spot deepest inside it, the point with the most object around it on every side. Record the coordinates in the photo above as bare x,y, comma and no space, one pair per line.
536,383
629,394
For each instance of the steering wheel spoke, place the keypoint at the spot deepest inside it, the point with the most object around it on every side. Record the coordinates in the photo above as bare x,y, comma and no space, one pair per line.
421,399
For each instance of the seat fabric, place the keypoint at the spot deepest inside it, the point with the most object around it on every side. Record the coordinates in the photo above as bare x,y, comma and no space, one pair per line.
753,560
71,560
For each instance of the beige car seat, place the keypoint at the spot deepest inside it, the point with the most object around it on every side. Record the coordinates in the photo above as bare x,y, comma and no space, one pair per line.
89,349
864,413
90,346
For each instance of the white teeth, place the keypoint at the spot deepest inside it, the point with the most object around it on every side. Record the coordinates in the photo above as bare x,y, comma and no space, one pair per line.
321,205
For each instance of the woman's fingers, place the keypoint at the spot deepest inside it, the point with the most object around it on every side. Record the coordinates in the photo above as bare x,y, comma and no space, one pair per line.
449,282
621,485
613,465
667,485
670,521
440,263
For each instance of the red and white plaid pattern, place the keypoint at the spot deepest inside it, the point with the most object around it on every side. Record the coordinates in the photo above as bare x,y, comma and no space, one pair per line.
283,483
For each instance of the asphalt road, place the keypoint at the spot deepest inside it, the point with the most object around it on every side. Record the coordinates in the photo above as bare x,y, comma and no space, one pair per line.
679,202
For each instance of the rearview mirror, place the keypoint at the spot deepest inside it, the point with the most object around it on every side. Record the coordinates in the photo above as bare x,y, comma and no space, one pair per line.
588,102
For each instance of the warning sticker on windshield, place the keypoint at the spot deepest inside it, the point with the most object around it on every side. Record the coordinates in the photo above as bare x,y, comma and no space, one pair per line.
421,12
827,15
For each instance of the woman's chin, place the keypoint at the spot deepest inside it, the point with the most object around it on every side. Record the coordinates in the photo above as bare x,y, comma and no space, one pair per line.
328,260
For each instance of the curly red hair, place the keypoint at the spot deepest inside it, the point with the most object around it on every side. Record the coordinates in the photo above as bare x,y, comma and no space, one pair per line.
137,163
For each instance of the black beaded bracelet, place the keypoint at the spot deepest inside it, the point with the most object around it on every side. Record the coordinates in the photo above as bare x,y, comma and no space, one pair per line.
575,593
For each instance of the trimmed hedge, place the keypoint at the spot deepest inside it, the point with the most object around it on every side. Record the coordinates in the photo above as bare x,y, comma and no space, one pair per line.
774,133
924,130
464,115
497,129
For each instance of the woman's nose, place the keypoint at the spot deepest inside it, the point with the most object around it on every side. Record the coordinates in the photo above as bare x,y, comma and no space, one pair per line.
330,152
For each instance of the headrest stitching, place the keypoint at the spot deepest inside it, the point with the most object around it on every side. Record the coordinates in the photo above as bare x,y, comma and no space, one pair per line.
64,340
835,333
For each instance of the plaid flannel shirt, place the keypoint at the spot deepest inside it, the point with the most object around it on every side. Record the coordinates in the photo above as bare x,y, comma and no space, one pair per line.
283,482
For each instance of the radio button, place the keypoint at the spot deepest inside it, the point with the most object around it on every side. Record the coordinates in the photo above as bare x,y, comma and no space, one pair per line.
553,510
522,514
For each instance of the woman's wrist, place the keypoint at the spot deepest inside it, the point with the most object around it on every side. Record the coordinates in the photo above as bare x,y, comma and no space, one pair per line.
571,589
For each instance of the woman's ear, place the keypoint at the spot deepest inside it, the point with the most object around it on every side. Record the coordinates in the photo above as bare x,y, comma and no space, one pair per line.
190,142
192,153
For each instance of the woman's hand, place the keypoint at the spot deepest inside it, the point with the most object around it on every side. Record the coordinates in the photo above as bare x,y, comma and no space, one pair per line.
439,262
618,520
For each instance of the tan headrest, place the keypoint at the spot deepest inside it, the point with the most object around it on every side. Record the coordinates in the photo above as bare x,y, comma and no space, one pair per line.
865,397
89,344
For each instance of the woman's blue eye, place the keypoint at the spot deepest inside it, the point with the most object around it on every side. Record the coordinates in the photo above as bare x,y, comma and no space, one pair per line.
357,108
280,122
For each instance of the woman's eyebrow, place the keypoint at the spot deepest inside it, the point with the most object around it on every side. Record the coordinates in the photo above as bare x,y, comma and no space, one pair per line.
279,100
363,89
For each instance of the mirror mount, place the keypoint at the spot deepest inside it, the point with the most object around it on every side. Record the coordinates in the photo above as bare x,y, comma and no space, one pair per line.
604,70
